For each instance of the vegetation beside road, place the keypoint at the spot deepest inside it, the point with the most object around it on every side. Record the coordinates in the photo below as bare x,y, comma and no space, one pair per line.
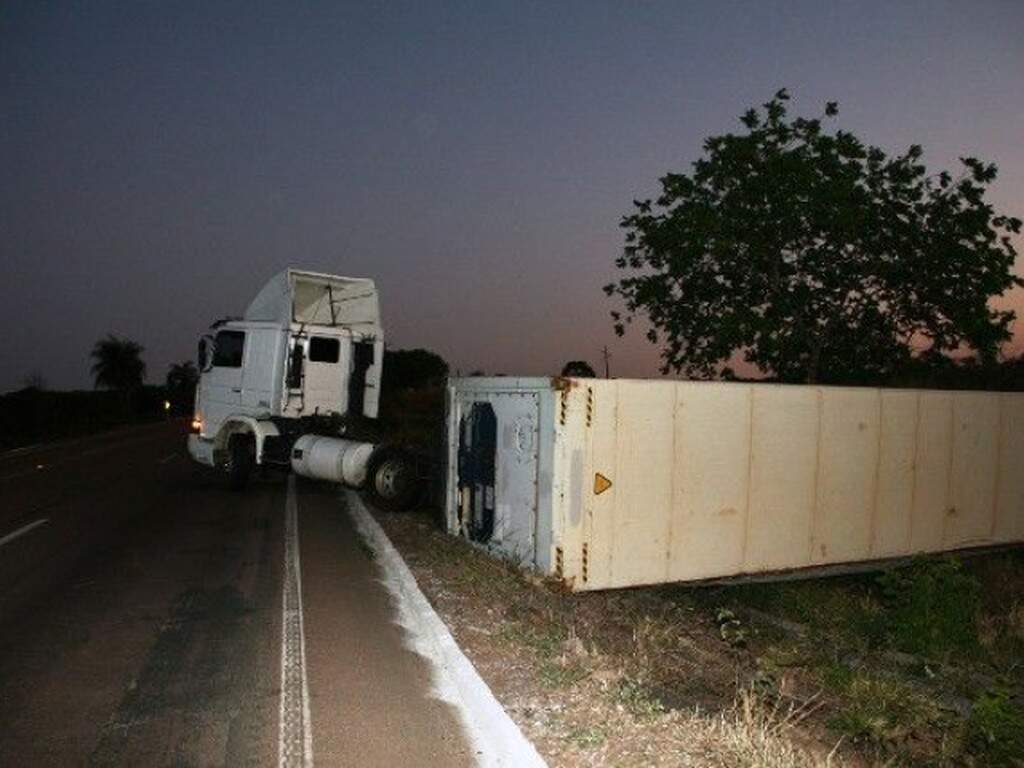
917,665
31,415
36,414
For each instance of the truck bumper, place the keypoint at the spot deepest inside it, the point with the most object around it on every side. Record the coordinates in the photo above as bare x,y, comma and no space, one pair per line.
201,450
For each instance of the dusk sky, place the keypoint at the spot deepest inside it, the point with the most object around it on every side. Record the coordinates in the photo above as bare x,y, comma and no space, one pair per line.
161,161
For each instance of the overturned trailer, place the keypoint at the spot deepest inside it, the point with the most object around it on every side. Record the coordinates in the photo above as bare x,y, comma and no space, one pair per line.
618,483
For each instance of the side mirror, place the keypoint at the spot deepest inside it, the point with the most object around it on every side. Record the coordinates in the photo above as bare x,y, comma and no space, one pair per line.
205,360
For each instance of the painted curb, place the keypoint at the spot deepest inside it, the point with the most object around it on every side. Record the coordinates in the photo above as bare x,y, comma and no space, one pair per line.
493,735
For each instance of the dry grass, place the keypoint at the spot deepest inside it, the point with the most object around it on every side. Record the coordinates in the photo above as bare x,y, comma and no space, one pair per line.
755,734
607,679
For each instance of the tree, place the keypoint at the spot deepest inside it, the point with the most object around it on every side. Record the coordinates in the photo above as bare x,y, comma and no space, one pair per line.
118,363
35,381
579,369
182,379
816,257
412,369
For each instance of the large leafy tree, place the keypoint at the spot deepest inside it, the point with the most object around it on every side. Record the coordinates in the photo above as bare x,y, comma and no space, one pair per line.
816,257
118,363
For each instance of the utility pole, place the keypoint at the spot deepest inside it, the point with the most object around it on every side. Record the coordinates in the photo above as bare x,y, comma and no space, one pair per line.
607,356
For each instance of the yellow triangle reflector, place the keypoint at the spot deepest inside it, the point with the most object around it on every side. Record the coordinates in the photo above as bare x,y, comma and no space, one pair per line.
601,484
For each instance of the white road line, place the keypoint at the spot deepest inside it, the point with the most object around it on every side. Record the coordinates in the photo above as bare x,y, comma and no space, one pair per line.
21,450
23,530
494,736
295,738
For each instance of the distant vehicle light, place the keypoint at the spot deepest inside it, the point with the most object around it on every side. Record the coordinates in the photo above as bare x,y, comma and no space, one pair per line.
197,424
167,405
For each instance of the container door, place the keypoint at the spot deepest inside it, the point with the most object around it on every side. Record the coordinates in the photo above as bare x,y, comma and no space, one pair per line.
497,483
478,453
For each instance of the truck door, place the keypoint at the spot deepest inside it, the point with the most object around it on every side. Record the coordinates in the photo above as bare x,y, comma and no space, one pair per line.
326,375
221,386
261,371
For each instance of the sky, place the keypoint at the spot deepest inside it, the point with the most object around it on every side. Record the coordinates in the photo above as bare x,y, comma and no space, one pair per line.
161,161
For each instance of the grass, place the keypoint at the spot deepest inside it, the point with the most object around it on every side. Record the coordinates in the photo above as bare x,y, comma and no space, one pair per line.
754,733
637,699
589,738
996,729
932,608
884,713
553,674
900,665
901,654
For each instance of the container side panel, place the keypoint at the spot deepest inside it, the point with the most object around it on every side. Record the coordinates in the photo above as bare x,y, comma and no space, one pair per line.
601,507
1009,522
643,477
570,485
782,477
847,473
972,482
545,451
711,471
931,467
895,491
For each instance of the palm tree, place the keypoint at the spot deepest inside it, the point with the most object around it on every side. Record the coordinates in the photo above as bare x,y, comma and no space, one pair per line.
118,363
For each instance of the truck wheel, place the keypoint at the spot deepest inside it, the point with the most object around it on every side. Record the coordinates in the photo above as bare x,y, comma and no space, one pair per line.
392,480
241,459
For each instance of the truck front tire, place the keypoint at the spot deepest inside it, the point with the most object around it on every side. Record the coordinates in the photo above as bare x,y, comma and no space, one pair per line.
392,480
241,460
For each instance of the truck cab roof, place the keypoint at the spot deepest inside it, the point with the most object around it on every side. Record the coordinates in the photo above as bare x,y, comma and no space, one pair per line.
317,299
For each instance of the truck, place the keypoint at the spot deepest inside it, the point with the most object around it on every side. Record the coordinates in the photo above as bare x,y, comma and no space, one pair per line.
294,385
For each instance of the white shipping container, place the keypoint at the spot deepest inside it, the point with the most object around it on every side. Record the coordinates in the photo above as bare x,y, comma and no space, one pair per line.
618,483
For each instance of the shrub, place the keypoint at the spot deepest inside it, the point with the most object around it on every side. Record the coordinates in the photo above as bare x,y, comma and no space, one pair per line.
933,606
996,729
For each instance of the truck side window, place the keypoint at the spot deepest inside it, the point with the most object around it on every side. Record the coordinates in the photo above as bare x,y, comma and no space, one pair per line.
227,352
323,350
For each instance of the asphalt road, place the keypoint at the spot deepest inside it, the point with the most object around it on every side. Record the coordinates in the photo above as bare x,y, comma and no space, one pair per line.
141,618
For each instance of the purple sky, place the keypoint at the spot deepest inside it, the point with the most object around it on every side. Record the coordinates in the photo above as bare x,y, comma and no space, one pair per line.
161,160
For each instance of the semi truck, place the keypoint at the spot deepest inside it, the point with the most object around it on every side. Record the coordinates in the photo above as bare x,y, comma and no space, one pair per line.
294,385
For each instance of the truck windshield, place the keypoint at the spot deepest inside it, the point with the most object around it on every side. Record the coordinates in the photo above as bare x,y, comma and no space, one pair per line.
228,348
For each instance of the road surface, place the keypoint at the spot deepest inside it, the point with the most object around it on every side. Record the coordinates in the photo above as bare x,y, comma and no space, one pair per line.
141,616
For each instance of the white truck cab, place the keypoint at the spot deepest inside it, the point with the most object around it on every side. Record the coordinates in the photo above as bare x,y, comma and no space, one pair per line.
304,361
